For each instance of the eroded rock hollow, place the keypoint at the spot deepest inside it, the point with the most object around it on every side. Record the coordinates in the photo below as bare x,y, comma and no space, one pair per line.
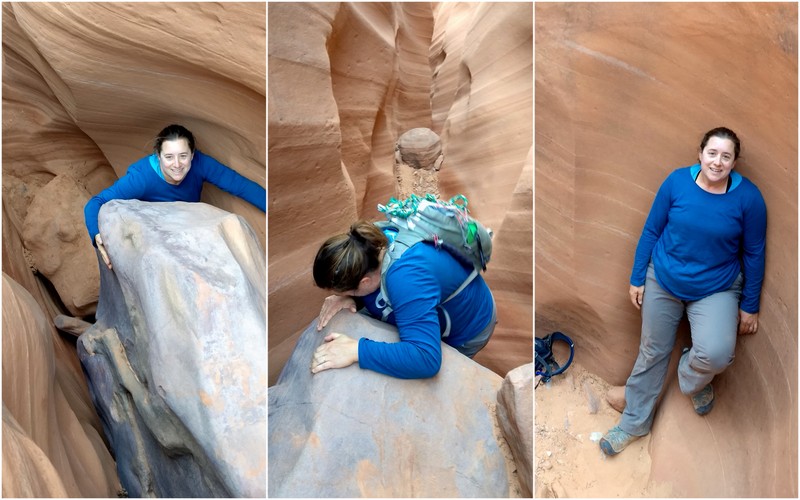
624,94
85,89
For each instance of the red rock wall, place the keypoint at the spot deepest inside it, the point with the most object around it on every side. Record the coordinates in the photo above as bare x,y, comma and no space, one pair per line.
345,81
85,89
624,93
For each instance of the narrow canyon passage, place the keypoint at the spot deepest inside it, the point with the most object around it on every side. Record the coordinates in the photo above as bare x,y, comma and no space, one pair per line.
624,94
346,81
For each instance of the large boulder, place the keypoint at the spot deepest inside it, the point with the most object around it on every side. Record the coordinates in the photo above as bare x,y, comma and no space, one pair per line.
55,236
515,414
357,433
175,362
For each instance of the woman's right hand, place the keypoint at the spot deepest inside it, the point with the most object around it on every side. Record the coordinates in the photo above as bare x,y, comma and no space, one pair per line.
103,253
332,305
637,295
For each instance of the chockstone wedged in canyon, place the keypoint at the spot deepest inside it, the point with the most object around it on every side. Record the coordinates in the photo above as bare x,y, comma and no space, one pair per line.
86,87
370,101
175,360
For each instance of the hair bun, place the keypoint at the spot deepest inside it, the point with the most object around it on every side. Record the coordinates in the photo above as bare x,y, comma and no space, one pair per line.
356,232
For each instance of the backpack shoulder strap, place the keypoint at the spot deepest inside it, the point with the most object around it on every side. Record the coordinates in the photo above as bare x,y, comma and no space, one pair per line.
403,240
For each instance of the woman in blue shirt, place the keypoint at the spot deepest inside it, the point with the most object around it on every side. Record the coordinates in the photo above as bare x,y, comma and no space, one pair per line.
701,251
174,172
417,284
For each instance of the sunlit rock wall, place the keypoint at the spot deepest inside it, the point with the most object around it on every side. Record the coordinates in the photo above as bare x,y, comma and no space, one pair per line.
85,89
345,81
624,93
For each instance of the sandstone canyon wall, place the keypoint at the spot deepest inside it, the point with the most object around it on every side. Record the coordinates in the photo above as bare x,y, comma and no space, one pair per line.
345,81
85,89
624,93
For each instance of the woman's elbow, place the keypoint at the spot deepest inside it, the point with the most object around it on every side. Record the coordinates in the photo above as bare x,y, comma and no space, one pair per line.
430,366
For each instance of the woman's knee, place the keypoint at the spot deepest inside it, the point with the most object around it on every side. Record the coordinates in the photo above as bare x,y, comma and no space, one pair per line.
712,361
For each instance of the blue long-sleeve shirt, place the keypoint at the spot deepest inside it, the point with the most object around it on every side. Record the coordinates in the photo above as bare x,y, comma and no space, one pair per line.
700,241
417,283
142,182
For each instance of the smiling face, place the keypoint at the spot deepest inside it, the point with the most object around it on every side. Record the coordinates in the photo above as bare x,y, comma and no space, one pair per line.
717,159
175,159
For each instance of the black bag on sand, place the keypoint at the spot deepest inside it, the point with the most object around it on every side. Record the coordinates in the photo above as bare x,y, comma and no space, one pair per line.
546,364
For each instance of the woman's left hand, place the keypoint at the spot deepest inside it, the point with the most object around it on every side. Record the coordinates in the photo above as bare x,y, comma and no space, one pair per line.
748,323
338,351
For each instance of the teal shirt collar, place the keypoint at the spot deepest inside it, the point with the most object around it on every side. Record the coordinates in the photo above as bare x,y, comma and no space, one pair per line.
736,178
156,166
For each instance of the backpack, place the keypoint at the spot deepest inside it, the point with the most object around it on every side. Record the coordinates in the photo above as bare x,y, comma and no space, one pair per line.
446,225
546,365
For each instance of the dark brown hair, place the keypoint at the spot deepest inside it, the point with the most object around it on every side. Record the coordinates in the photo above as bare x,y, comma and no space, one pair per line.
344,259
722,133
172,133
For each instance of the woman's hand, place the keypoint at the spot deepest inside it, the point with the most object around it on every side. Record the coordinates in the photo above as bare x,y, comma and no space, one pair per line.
338,351
332,305
748,323
637,294
103,253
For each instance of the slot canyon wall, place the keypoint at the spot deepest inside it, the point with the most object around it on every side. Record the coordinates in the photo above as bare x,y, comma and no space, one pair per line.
85,89
345,81
624,93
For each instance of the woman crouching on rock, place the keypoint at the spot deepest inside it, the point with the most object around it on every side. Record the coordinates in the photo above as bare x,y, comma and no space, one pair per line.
702,252
174,172
417,284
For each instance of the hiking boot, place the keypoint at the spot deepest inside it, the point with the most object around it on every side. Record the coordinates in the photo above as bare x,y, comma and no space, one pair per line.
616,440
703,401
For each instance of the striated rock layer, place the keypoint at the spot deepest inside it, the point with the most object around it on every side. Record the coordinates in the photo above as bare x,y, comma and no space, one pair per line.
175,361
52,440
357,433
624,94
346,81
86,86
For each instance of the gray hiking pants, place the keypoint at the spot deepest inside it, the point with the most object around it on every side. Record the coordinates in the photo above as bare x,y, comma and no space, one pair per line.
714,324
479,341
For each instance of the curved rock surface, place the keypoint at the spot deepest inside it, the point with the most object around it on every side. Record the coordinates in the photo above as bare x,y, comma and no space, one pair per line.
624,93
52,440
345,81
357,433
175,361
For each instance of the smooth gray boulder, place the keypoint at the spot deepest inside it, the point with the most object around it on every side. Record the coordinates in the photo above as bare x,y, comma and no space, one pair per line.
356,433
176,360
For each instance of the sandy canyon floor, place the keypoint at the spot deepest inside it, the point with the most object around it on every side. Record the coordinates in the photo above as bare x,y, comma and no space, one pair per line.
571,413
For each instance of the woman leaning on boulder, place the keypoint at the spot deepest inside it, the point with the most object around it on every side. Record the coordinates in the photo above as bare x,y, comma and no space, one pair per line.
417,286
175,171
701,251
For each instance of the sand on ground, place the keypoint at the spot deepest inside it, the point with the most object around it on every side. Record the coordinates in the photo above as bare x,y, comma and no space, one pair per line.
571,412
